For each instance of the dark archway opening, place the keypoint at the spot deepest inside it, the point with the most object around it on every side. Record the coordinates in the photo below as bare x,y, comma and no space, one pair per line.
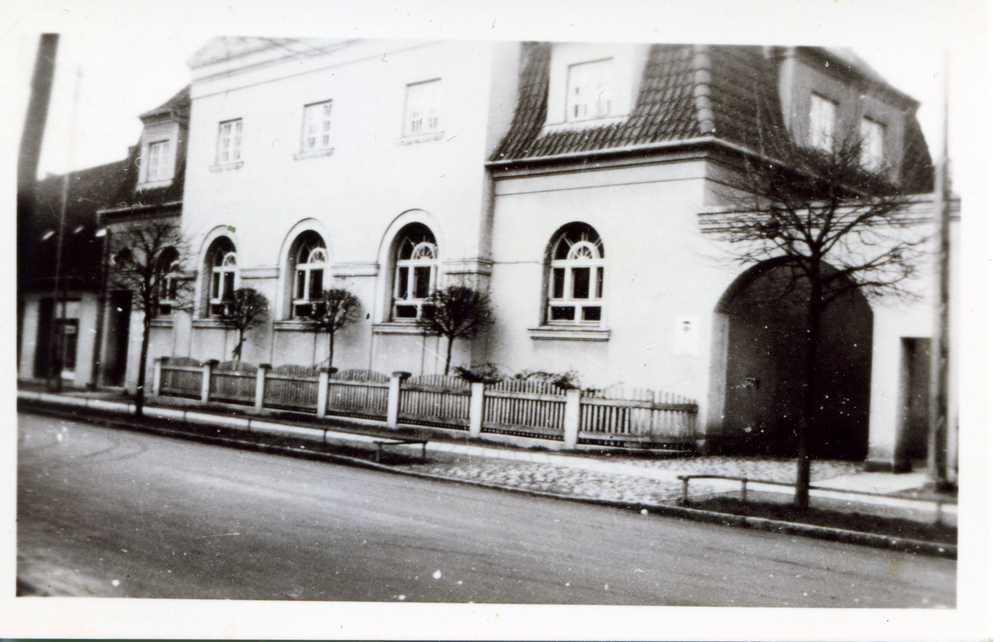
762,323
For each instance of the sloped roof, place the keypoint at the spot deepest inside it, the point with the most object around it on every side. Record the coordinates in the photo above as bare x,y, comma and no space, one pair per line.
687,92
228,47
179,104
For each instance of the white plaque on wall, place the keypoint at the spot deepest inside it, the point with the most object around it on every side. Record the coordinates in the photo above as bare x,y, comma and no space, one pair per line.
686,333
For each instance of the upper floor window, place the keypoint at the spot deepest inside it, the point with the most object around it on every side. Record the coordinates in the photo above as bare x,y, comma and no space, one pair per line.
157,164
222,284
230,141
169,280
822,118
872,144
576,276
310,265
416,271
423,108
316,126
590,90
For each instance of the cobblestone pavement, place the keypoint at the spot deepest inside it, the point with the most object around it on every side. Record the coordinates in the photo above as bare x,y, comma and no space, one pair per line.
581,482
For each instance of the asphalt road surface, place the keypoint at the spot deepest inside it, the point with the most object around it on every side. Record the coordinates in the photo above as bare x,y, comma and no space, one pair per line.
107,512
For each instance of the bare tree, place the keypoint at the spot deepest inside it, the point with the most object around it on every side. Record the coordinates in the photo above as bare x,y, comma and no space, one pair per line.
836,225
336,309
456,312
247,309
146,261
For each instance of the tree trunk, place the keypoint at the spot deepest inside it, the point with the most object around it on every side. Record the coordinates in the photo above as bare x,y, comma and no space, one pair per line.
238,350
447,360
329,363
140,386
815,310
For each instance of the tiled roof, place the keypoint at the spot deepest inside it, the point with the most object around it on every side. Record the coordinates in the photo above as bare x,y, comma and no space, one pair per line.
687,91
727,93
89,190
179,104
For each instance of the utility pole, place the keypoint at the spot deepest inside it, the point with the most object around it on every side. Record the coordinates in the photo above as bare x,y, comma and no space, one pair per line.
27,163
940,356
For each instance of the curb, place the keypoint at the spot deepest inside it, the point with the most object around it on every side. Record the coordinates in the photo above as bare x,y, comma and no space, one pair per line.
44,402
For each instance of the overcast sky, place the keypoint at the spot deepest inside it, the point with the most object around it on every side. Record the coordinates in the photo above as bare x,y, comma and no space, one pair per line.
128,70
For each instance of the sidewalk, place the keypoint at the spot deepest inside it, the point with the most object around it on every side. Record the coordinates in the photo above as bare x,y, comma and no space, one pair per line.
623,478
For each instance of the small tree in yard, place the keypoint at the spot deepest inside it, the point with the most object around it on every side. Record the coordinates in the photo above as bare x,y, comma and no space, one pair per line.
247,309
456,312
336,309
835,227
146,260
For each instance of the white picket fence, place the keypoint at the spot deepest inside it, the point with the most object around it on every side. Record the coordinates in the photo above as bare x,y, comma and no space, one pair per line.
517,407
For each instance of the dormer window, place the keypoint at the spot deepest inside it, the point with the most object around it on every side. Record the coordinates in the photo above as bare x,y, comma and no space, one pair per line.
590,90
593,85
872,145
822,119
157,167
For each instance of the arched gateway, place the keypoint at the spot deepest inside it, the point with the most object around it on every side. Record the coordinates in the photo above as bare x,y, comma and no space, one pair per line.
759,367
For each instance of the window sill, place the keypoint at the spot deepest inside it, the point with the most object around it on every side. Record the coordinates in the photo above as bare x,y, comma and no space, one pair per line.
569,333
316,153
209,323
421,138
165,182
398,327
226,166
293,325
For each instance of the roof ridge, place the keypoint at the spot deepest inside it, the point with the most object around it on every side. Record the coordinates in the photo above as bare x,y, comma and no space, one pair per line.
701,67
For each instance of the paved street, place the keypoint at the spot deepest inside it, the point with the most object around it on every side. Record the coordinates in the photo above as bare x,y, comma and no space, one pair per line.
113,513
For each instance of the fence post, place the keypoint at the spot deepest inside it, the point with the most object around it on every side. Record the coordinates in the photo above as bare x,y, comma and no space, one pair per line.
323,394
206,378
571,429
392,416
258,398
157,374
477,404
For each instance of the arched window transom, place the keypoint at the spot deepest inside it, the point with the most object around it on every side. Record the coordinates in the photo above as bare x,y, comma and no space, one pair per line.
416,272
310,266
576,276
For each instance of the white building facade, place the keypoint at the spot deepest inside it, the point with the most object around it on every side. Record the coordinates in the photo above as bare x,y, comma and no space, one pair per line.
576,182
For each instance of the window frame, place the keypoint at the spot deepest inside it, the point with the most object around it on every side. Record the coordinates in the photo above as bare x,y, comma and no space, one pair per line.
822,122
304,273
169,279
413,279
234,142
157,152
429,100
223,277
603,82
872,156
583,266
324,123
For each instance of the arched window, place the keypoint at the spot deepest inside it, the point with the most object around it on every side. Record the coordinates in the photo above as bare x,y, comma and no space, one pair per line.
416,271
310,257
576,276
169,277
222,282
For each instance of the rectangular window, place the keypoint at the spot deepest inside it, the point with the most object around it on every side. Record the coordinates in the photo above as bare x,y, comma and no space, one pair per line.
590,90
156,161
315,284
872,144
316,126
230,141
581,283
822,118
422,108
